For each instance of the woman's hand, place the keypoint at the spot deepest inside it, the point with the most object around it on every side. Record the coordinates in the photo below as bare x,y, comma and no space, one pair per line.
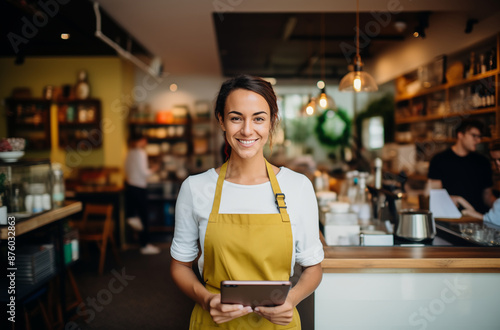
281,315
225,312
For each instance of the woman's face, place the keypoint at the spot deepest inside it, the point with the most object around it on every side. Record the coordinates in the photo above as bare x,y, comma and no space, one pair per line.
247,123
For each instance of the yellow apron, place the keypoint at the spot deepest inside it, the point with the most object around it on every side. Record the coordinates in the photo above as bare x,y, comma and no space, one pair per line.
246,247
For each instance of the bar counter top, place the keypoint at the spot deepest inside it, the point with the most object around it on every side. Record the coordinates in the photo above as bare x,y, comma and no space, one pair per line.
422,259
38,220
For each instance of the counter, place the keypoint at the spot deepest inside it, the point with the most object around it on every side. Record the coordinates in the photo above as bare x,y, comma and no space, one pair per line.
49,221
411,287
42,219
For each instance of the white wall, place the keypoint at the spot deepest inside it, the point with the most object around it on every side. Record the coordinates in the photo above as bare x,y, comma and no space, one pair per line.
191,88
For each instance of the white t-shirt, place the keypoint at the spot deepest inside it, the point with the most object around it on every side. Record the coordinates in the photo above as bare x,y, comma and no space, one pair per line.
136,168
196,197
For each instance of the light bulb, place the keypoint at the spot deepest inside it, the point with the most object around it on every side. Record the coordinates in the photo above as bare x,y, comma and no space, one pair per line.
320,84
323,102
309,110
357,83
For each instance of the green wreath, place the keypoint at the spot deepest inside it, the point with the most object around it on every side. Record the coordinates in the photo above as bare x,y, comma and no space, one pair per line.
333,128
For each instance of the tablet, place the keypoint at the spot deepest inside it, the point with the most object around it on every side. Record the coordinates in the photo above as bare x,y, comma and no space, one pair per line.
255,293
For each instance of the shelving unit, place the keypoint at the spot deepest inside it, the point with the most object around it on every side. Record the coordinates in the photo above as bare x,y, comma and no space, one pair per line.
181,147
429,115
170,146
29,118
79,122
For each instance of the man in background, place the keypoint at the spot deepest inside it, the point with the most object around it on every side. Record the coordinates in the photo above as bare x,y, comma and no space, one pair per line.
493,215
462,171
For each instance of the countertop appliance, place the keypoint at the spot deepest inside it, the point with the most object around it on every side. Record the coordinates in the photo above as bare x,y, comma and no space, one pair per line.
416,225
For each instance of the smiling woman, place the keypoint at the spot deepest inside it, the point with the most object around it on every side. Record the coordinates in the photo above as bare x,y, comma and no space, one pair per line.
259,95
242,204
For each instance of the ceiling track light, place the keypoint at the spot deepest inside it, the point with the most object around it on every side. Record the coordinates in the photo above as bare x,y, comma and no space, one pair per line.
358,80
154,69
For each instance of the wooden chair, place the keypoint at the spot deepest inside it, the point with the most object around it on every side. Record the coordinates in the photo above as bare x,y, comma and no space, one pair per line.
97,226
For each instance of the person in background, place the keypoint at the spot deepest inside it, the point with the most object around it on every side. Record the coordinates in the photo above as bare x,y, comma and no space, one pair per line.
462,171
493,215
136,201
252,220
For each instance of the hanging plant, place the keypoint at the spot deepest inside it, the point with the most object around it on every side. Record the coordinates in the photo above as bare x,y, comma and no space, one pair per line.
333,128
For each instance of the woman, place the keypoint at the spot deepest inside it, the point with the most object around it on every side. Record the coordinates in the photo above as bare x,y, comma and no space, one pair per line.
232,211
136,196
493,215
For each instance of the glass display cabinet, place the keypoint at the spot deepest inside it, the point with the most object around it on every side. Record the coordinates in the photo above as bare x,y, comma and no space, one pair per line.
26,187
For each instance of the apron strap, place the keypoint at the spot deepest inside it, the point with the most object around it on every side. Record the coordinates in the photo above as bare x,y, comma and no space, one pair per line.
279,196
218,189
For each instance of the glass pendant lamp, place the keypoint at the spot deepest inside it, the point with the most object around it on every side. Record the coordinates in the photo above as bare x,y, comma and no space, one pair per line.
358,80
324,101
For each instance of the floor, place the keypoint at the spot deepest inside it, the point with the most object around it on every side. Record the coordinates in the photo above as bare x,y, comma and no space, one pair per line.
140,294
137,295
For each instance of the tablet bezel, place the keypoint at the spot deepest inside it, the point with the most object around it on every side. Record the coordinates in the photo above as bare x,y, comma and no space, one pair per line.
255,293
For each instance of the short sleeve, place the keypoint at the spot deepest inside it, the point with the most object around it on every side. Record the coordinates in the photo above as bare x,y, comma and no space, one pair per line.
435,169
308,247
185,242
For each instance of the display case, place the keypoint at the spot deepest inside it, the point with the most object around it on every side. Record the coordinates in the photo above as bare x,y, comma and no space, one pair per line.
26,187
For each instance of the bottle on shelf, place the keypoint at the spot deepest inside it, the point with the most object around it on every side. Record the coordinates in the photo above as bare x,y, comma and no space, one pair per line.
466,73
472,66
362,205
349,187
492,60
58,189
16,203
482,63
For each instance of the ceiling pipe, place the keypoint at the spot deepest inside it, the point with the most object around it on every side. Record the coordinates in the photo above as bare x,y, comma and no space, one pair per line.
154,69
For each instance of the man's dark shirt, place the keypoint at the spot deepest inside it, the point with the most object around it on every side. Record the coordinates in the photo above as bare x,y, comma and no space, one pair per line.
463,176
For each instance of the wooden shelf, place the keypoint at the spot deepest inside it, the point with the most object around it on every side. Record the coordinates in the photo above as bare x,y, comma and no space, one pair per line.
20,109
443,87
477,112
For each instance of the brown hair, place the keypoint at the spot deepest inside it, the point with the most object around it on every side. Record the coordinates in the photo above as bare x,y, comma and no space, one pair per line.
253,84
467,124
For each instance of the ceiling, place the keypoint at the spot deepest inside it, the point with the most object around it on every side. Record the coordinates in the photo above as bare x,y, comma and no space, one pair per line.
280,38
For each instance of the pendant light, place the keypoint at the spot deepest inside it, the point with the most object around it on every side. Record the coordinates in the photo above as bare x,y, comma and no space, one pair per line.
324,101
358,80
309,108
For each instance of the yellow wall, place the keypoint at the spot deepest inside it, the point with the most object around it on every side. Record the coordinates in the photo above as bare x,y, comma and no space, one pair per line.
110,79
